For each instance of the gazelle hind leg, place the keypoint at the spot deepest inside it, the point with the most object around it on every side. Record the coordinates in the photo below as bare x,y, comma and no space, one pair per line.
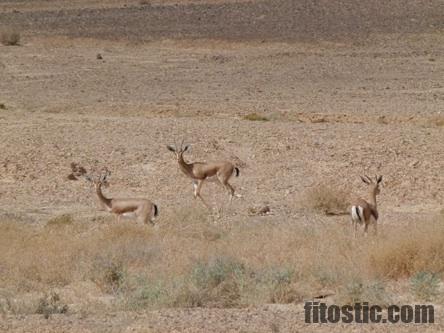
375,226
147,214
354,220
354,226
230,190
365,228
140,216
224,181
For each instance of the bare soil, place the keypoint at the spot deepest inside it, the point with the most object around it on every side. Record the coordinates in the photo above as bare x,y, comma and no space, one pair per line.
347,87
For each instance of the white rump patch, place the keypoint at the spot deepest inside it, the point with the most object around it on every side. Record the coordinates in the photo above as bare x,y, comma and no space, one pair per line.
357,213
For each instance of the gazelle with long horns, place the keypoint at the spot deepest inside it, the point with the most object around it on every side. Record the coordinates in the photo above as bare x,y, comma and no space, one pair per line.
366,212
200,171
143,209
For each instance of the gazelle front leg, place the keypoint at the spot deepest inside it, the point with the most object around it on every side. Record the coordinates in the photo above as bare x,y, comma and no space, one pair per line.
375,228
365,229
355,228
197,186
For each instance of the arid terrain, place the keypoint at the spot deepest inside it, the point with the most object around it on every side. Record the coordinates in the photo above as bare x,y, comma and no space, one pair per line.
303,96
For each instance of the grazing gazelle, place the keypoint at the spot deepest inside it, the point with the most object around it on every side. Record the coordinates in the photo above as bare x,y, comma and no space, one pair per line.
367,211
143,209
200,171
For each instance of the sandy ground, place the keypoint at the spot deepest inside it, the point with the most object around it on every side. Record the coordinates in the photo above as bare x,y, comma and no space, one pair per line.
266,319
338,107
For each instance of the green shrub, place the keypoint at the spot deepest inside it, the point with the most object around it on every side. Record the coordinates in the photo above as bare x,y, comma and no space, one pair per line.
424,285
357,291
213,283
146,294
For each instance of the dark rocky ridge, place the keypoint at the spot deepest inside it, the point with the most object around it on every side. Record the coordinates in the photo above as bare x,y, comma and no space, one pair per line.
267,20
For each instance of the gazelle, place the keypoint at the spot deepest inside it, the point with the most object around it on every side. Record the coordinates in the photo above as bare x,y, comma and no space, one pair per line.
143,209
200,171
366,211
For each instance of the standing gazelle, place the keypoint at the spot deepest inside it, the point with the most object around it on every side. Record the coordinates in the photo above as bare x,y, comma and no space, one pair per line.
367,211
143,209
200,171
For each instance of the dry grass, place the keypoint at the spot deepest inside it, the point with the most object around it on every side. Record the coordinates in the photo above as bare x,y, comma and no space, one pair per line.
190,261
418,248
61,220
10,38
326,198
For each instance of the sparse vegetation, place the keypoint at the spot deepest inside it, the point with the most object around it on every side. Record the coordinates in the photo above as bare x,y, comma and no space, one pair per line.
10,38
51,304
255,117
2,106
243,266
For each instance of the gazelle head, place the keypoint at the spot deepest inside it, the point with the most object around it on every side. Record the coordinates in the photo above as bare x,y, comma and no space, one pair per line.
96,178
374,185
99,179
178,151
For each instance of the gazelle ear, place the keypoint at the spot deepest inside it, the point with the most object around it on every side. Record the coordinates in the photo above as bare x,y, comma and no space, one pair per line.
105,176
72,176
379,179
171,148
365,180
87,178
187,147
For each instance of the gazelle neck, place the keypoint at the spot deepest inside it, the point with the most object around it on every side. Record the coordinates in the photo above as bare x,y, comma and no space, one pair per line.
104,200
184,166
373,196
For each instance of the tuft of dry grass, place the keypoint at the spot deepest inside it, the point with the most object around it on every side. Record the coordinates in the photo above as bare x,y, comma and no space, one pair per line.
51,304
255,117
419,248
61,220
327,199
10,38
